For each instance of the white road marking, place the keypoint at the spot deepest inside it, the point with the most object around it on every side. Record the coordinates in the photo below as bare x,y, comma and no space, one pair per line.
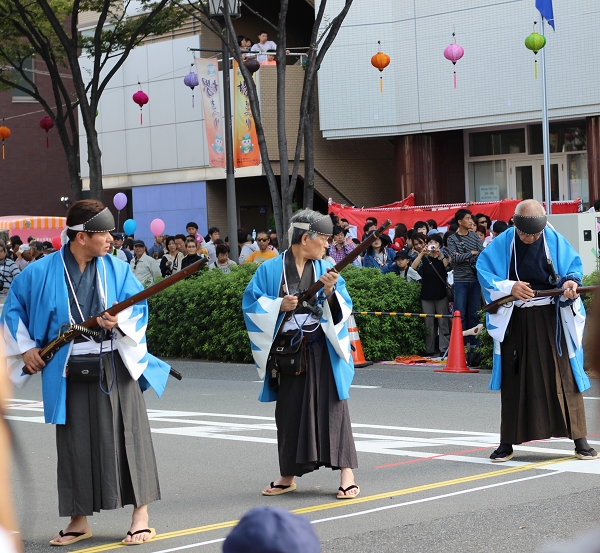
364,387
420,443
385,508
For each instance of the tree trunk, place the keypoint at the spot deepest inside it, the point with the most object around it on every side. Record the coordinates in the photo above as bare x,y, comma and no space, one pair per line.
286,197
309,154
95,165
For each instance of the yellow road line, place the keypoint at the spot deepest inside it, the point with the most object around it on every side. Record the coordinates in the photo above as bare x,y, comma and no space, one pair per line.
343,503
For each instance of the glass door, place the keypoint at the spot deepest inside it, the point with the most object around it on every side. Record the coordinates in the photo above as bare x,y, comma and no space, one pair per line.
526,179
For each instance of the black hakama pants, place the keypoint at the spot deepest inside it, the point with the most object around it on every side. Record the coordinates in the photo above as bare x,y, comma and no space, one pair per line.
540,398
313,425
105,453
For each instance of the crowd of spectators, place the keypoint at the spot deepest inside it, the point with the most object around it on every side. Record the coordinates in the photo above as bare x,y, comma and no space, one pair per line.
442,259
436,257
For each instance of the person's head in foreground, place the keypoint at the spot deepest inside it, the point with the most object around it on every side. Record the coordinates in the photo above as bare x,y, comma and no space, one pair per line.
272,530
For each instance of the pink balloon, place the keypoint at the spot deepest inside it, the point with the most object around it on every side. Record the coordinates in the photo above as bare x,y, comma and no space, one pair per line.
56,243
120,201
157,226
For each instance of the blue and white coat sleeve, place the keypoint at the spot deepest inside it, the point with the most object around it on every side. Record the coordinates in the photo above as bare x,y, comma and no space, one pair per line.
148,370
261,304
493,270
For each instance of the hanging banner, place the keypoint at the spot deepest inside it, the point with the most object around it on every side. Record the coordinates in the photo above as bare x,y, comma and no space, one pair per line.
208,75
246,152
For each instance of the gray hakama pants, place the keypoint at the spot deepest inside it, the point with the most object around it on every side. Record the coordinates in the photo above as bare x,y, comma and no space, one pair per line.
540,398
105,454
313,425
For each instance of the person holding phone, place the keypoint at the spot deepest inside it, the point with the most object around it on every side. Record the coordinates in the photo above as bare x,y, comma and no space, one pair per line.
433,266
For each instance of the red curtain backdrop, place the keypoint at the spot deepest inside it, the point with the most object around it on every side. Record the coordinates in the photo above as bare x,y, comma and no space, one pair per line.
407,213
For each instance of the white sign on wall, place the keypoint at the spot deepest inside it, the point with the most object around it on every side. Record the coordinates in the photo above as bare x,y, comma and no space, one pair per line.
489,193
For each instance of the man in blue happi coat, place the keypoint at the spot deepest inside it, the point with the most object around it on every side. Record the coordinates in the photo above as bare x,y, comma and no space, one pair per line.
538,355
92,388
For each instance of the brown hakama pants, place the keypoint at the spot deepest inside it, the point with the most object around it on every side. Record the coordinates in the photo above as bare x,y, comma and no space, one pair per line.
105,453
540,398
313,425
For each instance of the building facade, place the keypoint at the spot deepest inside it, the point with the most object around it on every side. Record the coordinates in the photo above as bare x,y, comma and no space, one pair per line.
482,139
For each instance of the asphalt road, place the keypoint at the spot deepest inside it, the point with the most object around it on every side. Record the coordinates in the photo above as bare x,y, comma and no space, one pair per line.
423,442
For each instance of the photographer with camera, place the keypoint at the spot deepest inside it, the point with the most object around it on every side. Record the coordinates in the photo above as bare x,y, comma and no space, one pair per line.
8,271
433,266
464,247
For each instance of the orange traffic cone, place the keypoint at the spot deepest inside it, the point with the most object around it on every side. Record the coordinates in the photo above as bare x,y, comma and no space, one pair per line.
355,345
457,360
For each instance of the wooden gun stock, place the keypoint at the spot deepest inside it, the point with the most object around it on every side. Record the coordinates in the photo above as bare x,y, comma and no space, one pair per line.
492,308
314,289
73,331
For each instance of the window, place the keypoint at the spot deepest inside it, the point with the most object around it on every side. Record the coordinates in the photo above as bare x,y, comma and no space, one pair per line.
18,95
487,181
564,137
495,143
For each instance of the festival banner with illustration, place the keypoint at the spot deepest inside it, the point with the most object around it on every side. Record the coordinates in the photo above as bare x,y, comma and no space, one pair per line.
208,75
245,144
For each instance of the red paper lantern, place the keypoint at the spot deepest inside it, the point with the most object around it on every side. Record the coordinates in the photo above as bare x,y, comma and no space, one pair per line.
4,134
380,61
141,99
46,123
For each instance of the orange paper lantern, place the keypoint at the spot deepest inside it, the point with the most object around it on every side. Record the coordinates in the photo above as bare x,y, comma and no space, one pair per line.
4,134
380,61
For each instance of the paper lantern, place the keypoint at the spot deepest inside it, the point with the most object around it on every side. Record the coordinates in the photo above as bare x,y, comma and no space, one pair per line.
380,61
191,80
535,42
453,53
56,243
141,99
4,134
252,64
46,123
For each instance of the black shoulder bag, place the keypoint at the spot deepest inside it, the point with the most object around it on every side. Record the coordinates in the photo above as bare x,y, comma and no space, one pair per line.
449,289
288,354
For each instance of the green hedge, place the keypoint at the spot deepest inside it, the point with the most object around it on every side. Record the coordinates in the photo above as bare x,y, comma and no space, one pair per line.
202,317
385,337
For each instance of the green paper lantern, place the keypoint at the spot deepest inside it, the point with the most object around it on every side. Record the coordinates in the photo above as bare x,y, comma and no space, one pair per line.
535,42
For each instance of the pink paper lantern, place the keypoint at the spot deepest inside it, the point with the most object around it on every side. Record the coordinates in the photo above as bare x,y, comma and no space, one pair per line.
157,227
141,99
453,53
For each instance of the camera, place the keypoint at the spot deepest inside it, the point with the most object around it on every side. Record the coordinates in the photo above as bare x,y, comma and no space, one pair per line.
432,247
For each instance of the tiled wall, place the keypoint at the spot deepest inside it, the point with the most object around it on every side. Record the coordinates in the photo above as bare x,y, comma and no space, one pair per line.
495,78
175,204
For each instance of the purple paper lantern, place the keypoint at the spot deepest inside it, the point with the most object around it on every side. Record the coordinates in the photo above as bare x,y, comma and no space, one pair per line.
453,53
191,80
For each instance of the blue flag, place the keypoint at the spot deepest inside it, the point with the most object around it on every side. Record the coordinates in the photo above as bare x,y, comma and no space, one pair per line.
545,8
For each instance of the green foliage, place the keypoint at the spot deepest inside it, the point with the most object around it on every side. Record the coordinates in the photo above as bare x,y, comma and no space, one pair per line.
486,345
385,337
589,280
202,317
